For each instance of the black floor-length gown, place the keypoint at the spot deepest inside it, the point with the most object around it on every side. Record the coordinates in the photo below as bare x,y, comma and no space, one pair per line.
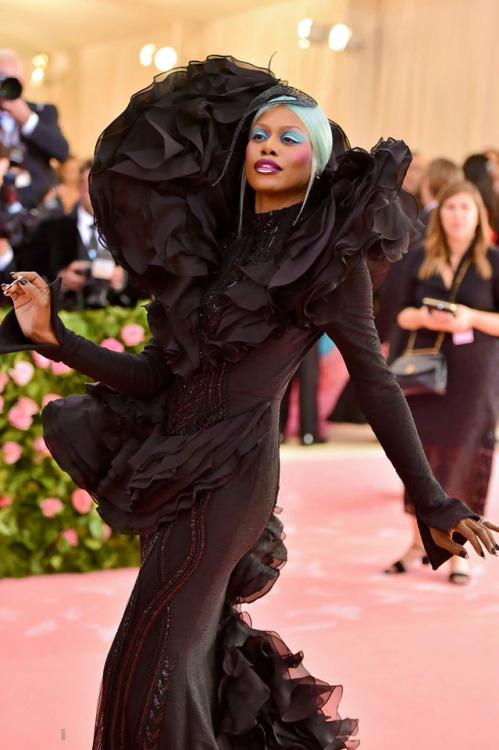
458,430
185,450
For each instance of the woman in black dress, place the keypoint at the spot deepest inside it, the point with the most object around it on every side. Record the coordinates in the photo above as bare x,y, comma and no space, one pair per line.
185,450
457,430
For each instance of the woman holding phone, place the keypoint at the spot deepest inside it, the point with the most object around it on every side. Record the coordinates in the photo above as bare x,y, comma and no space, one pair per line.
458,429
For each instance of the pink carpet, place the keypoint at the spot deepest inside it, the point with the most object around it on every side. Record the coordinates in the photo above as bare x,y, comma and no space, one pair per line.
417,657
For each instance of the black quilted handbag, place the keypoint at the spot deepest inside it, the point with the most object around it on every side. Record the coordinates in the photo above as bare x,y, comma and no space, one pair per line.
421,371
425,370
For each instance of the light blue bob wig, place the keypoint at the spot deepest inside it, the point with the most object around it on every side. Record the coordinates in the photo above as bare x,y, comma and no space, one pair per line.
319,132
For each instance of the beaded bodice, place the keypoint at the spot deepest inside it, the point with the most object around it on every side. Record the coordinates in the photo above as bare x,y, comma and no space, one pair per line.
199,402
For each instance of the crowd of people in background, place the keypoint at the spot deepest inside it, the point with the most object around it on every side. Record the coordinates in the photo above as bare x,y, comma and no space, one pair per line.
47,225
46,217
457,262
425,180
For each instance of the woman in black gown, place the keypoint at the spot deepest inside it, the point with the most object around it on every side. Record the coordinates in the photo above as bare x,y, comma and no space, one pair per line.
185,450
457,430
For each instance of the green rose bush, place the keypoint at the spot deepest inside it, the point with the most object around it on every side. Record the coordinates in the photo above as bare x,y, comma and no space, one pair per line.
47,524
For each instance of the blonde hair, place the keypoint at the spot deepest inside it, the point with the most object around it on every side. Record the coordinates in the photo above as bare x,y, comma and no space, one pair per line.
436,248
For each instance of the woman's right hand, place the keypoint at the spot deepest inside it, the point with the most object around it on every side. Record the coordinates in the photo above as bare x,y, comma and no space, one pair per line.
31,299
436,320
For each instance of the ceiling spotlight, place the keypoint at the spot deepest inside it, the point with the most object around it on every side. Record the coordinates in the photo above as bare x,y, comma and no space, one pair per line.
309,32
40,61
339,36
165,58
146,54
37,77
304,28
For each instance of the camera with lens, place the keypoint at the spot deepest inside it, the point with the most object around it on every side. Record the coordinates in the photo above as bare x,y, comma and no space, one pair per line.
17,224
10,87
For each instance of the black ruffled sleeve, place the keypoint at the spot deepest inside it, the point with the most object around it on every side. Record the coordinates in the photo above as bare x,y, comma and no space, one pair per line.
365,213
351,327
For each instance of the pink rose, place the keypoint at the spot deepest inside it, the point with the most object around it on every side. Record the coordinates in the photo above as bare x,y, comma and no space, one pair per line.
4,379
20,415
41,446
59,368
11,452
5,501
49,397
19,418
106,531
50,506
113,344
22,372
82,501
28,405
132,334
70,536
40,360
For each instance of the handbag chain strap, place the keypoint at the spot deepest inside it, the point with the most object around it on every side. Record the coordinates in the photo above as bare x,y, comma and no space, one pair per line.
441,335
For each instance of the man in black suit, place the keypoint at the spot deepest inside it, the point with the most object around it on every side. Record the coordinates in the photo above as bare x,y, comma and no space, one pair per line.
17,224
7,264
31,131
68,246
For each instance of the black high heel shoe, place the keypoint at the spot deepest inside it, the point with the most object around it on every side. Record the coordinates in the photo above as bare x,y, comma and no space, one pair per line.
402,567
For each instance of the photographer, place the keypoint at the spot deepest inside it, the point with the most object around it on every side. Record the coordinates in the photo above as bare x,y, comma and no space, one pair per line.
31,131
6,253
68,246
17,224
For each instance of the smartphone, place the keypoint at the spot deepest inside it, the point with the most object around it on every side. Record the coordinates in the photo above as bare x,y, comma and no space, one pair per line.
440,304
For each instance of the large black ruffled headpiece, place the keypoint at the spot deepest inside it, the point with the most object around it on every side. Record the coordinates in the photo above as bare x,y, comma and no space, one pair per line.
165,193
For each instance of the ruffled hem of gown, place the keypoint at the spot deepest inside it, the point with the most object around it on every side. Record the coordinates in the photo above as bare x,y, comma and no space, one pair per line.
164,219
267,699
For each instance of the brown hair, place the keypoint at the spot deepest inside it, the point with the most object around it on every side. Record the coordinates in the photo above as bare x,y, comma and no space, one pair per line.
440,172
436,248
86,165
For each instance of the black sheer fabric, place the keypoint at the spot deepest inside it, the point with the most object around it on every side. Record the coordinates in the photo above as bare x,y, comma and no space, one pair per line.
190,426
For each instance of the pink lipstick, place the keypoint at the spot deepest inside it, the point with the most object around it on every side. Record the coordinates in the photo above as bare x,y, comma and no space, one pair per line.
267,166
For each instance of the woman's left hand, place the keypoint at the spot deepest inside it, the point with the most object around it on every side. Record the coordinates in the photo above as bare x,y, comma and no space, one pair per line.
478,533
